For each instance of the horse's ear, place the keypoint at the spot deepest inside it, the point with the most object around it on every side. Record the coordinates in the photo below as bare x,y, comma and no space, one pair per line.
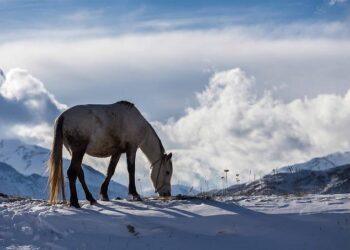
169,156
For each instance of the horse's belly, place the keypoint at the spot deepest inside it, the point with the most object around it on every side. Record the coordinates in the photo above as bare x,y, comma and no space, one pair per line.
100,150
103,148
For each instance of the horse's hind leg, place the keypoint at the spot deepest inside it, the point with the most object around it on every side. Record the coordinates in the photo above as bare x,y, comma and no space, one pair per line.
88,195
73,171
110,172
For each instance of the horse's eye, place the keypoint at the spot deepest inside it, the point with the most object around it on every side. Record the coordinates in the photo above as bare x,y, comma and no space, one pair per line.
167,173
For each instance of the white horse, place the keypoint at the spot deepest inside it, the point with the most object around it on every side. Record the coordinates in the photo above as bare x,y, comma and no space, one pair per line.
103,131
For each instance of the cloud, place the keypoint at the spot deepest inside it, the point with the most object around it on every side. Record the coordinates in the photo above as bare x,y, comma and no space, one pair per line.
233,127
160,71
27,108
334,2
234,122
84,15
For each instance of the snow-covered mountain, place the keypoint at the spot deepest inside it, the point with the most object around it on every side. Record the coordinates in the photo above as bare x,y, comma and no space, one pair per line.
23,172
331,181
322,175
319,163
26,159
14,183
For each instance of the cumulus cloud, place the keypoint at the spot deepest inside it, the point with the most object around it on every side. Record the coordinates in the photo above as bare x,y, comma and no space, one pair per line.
235,128
232,126
27,109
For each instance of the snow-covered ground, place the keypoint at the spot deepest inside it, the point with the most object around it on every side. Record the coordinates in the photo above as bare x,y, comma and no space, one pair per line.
259,222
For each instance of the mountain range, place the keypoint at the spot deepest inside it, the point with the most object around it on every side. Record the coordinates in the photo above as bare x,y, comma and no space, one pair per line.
23,172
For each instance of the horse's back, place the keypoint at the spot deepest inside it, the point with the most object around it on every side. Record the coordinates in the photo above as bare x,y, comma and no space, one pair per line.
103,129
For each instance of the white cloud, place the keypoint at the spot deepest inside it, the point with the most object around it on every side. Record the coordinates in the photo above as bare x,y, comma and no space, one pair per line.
27,108
20,86
37,134
334,2
148,68
236,123
234,128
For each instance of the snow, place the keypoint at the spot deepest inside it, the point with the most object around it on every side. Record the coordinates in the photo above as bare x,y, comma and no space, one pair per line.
257,222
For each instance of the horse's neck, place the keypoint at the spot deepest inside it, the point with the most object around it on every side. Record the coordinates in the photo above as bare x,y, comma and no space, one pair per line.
152,146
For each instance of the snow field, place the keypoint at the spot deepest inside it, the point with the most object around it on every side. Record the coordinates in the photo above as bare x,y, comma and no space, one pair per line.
260,222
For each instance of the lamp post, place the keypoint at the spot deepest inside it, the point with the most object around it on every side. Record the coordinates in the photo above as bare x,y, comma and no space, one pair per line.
226,171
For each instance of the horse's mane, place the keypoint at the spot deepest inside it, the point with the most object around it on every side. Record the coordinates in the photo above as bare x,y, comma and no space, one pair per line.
131,105
160,142
126,103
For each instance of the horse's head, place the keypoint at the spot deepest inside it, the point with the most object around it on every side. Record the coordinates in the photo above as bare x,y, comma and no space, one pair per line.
161,174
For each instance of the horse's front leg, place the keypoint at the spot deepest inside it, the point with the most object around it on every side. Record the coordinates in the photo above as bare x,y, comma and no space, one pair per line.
131,156
110,172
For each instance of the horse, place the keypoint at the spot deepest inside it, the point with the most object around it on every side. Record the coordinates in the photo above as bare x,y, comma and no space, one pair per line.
106,131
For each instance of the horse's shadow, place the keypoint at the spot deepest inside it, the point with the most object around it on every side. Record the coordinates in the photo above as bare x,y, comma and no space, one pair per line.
172,209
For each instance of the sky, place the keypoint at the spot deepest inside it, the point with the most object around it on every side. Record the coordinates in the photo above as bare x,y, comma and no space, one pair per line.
244,85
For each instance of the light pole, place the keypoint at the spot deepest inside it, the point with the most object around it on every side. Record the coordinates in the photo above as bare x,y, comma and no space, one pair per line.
237,178
226,171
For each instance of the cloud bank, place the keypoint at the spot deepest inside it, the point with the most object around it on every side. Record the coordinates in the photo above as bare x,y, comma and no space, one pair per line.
27,109
235,128
161,70
231,126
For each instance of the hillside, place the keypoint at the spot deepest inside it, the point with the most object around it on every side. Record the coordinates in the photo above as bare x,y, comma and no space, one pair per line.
332,181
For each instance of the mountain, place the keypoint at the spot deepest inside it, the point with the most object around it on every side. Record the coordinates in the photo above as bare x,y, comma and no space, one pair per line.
23,172
321,175
26,159
319,163
31,160
332,181
14,183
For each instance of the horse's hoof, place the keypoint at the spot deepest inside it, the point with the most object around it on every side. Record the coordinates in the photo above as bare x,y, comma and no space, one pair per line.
94,202
132,197
104,198
74,204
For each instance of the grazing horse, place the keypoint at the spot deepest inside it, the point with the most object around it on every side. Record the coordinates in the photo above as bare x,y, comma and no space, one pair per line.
106,131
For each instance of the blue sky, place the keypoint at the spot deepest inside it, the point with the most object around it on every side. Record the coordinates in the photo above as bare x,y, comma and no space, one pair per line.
196,14
263,81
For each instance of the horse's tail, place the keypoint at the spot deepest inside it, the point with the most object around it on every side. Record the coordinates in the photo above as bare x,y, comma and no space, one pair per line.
56,179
